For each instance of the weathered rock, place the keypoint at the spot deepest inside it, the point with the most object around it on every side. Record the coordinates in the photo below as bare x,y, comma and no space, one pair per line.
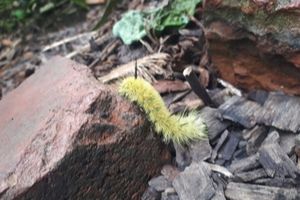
255,44
195,182
65,136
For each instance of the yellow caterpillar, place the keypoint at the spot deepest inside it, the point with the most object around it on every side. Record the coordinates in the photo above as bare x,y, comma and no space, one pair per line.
178,128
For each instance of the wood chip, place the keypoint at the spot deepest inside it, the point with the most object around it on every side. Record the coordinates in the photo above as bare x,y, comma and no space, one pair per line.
194,183
245,164
200,150
252,175
238,191
276,162
239,110
218,146
257,136
279,110
212,117
229,147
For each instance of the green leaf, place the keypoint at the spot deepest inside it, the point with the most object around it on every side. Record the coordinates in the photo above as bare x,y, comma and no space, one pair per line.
131,27
175,14
19,14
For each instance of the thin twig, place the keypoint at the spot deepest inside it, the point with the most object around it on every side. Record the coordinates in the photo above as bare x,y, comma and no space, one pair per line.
67,40
197,87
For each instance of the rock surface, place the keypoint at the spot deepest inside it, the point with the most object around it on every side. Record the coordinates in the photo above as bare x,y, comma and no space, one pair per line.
65,136
255,44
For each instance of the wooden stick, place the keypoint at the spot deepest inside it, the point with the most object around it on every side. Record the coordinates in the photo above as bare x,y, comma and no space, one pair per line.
197,87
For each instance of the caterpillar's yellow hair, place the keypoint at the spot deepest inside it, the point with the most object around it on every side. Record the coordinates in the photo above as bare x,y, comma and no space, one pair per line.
178,128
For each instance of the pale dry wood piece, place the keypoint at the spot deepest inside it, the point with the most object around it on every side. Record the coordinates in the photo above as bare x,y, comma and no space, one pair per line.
238,191
94,2
231,88
69,39
100,40
220,169
147,67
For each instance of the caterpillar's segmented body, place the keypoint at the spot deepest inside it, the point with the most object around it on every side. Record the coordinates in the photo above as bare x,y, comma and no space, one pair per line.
178,128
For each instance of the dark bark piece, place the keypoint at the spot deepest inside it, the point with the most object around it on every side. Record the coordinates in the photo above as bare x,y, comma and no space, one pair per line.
166,196
239,110
287,142
259,96
183,157
160,183
276,162
273,137
251,176
200,150
195,183
221,141
278,182
212,118
245,164
279,110
65,136
219,195
151,194
282,112
229,147
257,136
197,87
238,191
240,154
